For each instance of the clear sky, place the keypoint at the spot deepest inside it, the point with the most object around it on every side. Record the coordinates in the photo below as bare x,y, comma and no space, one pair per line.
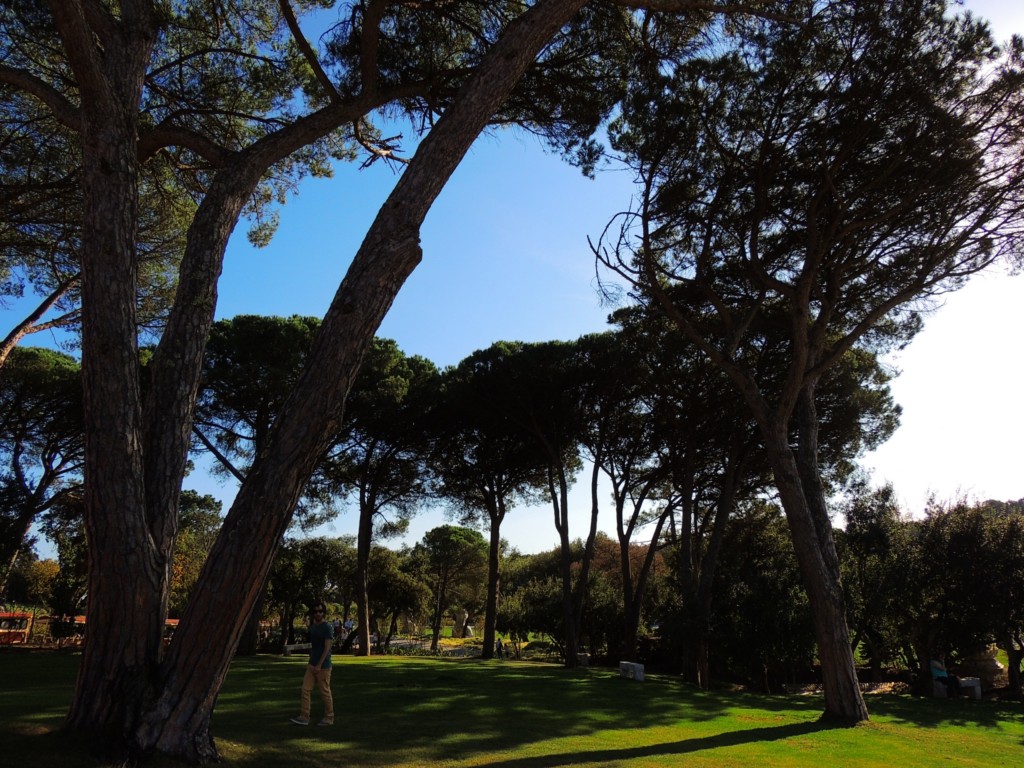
962,430
506,258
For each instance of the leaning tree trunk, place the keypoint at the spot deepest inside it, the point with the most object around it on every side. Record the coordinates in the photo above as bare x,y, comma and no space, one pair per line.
182,691
815,552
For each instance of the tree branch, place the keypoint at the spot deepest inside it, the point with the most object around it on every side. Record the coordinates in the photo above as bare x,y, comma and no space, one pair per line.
371,43
66,113
166,135
79,29
224,462
688,6
28,325
307,52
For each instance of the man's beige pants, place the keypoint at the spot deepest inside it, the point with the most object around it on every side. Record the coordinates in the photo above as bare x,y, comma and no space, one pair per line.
317,678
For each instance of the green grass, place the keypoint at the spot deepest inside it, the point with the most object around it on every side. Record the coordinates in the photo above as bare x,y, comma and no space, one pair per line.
410,711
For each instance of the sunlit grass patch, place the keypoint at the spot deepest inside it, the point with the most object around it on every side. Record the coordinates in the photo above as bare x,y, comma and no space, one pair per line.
411,712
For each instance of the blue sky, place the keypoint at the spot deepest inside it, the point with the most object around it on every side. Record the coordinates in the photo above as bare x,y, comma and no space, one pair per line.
505,251
506,257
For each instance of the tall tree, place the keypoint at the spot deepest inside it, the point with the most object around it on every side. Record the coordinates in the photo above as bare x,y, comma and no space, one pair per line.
483,464
963,565
41,442
241,103
620,434
707,455
873,551
453,563
542,381
395,592
142,79
307,570
200,522
833,175
380,453
250,365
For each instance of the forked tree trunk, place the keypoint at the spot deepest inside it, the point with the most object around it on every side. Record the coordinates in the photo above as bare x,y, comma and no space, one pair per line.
559,504
123,689
815,552
127,575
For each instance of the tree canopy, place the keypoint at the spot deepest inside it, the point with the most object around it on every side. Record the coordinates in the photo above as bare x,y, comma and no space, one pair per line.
823,179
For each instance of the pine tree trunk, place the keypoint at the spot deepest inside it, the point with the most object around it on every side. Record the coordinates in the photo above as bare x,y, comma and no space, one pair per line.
126,594
1014,656
124,689
559,503
815,552
14,536
493,584
363,540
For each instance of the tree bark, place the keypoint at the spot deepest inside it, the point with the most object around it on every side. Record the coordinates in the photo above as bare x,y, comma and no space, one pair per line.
179,722
133,468
126,622
364,540
700,579
583,581
496,514
1014,656
815,552
558,488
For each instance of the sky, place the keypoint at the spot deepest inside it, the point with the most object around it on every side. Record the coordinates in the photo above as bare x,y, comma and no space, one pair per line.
962,429
506,257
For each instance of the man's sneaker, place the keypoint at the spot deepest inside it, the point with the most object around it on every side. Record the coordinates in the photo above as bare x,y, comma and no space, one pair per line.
326,722
300,720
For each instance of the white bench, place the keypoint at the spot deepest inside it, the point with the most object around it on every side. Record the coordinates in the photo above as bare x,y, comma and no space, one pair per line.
288,649
971,686
631,670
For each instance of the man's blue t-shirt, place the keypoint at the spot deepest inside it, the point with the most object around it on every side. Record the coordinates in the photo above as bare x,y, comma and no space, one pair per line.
319,635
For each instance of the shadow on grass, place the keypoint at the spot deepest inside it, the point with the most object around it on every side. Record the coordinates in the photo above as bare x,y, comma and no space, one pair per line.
935,713
682,747
413,711
410,710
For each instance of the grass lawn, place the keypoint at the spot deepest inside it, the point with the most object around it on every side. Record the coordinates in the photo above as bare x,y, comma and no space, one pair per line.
406,711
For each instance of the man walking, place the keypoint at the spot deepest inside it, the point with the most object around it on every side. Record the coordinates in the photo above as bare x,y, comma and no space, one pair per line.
318,671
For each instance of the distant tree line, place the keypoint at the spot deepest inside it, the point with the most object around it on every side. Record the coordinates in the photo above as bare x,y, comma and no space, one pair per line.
700,577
